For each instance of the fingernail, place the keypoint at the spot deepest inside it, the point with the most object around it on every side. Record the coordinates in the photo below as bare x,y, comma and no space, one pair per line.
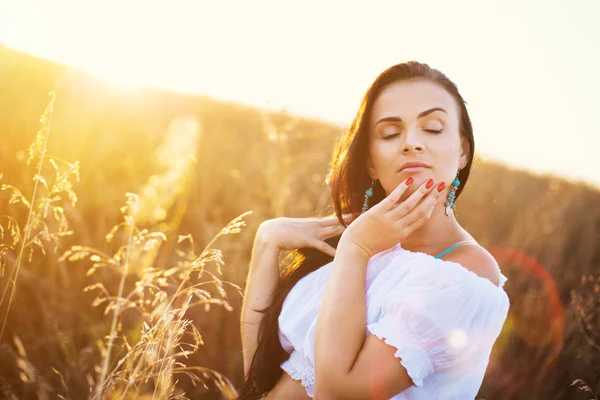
429,183
409,180
441,186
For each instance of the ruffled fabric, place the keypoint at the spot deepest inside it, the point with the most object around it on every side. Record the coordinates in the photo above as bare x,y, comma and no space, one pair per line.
297,367
411,354
441,318
459,268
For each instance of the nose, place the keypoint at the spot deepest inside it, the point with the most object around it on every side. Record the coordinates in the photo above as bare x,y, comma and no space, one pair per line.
412,142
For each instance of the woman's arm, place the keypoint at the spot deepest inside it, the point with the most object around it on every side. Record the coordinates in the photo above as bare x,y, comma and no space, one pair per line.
348,366
272,237
341,323
263,277
341,351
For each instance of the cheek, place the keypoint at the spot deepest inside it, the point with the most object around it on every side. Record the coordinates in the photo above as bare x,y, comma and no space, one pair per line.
384,160
383,152
448,148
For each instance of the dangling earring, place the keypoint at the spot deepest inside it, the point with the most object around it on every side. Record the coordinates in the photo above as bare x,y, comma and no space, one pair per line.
452,195
368,193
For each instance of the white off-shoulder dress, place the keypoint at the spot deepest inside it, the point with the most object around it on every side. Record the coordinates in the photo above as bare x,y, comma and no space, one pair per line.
442,318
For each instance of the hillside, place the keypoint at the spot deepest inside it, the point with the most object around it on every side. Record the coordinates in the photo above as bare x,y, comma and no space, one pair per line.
229,159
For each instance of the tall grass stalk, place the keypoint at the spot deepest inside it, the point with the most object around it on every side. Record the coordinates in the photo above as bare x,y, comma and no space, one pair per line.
36,148
133,206
135,361
162,295
154,356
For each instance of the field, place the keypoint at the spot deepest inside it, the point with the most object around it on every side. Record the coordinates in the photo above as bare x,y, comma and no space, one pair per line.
127,220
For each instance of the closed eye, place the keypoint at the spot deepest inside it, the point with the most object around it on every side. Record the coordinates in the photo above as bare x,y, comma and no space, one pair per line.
426,130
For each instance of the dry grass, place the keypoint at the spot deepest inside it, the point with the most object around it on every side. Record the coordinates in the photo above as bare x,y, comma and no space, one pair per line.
38,228
145,327
147,359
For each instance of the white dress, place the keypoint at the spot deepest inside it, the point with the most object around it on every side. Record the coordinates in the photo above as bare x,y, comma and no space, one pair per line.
442,318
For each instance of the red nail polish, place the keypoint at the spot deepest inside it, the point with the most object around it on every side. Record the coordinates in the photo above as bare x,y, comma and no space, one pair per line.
429,183
441,186
409,180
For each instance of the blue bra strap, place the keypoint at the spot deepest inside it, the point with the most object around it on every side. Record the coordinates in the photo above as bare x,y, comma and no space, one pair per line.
448,249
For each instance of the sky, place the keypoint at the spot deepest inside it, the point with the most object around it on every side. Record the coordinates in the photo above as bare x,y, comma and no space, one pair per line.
528,70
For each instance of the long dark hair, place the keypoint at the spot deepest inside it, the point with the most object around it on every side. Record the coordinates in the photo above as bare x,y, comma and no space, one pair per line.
347,180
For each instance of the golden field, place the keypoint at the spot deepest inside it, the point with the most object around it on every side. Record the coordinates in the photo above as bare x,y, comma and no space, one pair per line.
127,220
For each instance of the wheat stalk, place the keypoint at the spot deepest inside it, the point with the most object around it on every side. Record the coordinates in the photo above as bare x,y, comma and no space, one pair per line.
39,146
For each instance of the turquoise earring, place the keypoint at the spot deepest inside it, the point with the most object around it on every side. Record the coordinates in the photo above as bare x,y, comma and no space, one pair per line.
368,193
452,195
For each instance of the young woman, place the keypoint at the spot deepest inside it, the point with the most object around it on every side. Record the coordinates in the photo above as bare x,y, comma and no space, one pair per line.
391,297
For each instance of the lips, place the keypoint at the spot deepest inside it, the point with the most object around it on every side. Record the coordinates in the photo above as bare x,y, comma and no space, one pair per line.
413,169
413,166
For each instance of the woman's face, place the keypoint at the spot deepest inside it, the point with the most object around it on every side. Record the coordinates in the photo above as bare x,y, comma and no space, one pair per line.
415,120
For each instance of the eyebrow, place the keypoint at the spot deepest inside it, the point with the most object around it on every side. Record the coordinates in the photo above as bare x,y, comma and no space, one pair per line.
421,115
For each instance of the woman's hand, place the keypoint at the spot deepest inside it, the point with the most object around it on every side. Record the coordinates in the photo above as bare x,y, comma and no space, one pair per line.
296,233
391,221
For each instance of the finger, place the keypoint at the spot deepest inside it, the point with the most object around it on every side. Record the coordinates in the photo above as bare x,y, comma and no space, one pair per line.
432,195
324,247
422,212
389,202
419,220
332,231
402,209
347,218
330,220
333,220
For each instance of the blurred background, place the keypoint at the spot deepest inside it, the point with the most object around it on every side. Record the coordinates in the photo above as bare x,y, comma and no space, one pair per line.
208,110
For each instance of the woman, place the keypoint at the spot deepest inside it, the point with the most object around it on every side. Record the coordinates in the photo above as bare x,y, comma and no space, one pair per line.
408,305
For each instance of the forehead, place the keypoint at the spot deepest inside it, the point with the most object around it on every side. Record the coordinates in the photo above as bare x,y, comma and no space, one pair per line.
406,99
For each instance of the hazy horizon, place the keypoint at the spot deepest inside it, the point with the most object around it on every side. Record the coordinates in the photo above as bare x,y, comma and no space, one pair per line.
525,70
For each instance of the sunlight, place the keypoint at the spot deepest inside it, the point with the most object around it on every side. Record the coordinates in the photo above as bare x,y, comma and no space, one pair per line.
116,237
123,82
458,339
238,51
132,44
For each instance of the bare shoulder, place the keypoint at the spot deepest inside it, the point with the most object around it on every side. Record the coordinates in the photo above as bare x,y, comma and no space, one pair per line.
477,259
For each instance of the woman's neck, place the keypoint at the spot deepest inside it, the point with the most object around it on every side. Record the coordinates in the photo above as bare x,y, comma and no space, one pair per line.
440,231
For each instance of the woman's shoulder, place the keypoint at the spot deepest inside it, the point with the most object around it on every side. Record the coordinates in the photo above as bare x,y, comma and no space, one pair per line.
419,285
478,260
444,303
469,263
